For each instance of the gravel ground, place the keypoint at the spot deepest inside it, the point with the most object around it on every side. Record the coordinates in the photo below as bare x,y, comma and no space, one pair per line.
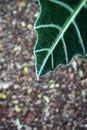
58,101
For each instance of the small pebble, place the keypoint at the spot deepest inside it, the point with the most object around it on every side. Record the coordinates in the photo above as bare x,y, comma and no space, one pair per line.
3,96
81,73
52,86
3,119
15,102
29,90
50,125
3,74
14,22
84,95
16,86
18,124
46,99
29,26
57,85
74,65
38,102
36,15
14,97
57,109
51,81
21,3
23,24
34,128
71,76
18,66
18,109
39,96
36,119
2,60
14,12
51,91
17,48
4,85
25,69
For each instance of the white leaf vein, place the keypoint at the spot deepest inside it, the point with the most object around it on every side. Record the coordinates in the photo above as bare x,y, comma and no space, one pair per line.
65,50
41,50
48,26
74,23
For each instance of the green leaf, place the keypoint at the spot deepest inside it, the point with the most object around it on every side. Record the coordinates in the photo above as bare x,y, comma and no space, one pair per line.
62,33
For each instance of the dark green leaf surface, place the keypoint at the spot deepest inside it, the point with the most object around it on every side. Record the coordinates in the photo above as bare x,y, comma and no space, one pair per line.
62,33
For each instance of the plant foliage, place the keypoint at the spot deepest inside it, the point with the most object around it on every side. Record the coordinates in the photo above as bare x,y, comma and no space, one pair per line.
62,33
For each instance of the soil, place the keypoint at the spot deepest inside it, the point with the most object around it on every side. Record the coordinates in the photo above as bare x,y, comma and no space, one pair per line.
58,101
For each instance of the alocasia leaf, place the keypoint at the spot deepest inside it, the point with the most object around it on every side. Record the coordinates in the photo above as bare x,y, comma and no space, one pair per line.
62,33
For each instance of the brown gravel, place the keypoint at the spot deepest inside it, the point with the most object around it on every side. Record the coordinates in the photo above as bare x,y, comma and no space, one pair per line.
58,101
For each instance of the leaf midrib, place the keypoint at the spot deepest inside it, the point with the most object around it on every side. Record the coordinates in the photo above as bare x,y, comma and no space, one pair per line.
63,30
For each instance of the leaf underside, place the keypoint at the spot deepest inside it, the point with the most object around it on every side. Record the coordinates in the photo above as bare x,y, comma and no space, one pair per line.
62,33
